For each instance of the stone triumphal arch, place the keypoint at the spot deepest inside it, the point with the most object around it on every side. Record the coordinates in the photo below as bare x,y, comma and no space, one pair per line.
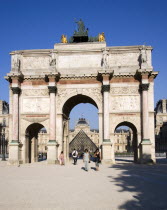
46,84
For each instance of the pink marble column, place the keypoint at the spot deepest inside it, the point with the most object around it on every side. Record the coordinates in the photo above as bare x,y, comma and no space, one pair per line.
106,121
15,112
106,116
145,112
52,133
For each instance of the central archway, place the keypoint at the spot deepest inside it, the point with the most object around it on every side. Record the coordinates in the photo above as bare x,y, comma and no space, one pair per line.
67,108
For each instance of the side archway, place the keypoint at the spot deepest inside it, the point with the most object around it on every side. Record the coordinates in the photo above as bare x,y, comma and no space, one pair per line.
134,138
31,144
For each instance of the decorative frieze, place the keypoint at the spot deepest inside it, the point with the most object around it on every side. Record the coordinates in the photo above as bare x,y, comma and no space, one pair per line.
35,92
105,88
52,89
124,90
16,90
144,87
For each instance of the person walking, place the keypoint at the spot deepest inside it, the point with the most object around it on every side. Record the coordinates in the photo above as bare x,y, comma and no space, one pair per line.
61,158
86,159
75,156
97,157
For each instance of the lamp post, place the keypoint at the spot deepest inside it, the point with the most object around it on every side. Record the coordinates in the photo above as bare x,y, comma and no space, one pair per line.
3,139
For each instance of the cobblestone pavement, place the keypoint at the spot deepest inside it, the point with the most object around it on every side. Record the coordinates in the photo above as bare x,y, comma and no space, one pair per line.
121,186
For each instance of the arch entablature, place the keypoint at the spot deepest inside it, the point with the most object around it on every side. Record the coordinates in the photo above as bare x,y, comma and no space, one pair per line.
65,94
26,124
125,120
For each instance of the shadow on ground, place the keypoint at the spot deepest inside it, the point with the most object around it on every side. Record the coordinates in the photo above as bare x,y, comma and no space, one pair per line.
123,160
146,183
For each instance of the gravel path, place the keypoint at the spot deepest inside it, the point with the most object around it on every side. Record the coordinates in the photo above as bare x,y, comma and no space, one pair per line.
121,186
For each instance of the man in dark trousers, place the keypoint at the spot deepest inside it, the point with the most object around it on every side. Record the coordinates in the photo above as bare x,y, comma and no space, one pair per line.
75,156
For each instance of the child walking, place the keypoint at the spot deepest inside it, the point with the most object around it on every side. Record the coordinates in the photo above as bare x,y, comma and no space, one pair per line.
61,158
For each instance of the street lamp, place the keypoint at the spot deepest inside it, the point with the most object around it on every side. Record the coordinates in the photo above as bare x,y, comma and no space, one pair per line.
3,139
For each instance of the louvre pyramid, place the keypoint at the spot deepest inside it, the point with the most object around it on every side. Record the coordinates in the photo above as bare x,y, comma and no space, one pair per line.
81,142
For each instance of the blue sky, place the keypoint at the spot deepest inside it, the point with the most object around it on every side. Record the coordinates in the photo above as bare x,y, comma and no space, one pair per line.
39,24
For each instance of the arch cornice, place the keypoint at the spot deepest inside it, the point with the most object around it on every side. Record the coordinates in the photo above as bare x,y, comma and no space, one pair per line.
65,94
132,119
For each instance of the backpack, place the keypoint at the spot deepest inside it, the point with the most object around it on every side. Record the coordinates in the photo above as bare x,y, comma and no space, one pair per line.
74,154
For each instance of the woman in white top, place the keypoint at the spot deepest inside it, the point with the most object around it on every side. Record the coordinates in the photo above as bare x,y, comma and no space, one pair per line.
86,159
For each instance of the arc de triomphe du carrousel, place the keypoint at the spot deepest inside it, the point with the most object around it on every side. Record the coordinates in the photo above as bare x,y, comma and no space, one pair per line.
45,85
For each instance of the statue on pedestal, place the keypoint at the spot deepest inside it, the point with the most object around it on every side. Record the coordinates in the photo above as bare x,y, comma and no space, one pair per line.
104,62
16,63
101,37
81,26
64,39
53,60
143,58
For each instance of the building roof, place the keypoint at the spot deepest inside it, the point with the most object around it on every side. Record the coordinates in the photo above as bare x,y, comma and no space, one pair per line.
82,121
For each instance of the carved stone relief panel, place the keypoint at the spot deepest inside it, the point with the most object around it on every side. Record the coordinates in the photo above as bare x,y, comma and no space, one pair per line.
125,103
124,59
35,92
35,62
76,61
35,105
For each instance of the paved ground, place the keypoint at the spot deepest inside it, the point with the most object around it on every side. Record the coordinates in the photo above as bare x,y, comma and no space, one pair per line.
121,186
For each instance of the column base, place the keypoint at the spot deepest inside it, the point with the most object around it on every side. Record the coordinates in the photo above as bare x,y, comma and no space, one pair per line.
14,153
107,156
109,162
52,152
53,162
146,152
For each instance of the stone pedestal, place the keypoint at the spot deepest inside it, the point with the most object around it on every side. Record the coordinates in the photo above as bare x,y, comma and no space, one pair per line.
107,153
52,152
14,153
146,151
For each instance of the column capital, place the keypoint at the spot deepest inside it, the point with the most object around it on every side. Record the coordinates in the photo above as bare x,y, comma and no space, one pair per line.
144,87
105,88
52,89
16,90
53,77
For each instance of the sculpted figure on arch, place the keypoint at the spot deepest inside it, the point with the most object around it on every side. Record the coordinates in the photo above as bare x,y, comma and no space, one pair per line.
16,62
105,57
101,37
81,26
53,60
143,58
64,39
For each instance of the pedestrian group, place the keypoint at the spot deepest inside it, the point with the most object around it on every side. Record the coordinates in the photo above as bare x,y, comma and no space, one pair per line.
86,158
